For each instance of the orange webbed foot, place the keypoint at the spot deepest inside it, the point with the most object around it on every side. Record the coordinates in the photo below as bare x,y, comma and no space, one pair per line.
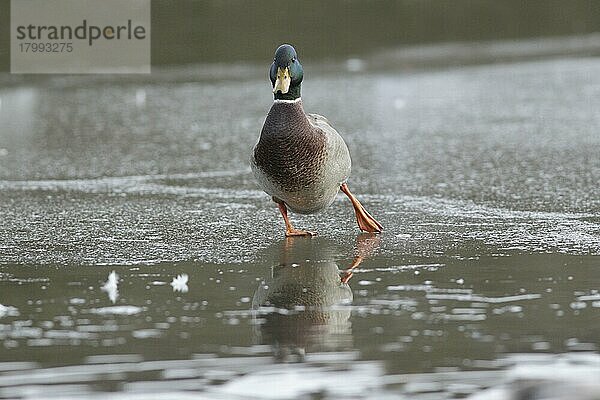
290,231
298,232
365,221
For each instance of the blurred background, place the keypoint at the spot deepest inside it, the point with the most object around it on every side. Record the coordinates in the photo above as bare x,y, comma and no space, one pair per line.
190,31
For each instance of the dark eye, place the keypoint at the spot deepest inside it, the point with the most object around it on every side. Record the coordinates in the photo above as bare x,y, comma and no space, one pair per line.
294,59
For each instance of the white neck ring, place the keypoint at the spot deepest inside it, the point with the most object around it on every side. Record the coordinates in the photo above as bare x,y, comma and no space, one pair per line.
287,101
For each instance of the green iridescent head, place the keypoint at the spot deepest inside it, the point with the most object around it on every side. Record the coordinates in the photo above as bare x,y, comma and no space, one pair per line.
286,73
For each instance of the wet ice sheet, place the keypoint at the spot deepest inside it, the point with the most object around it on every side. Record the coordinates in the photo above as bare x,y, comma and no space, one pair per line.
207,377
144,220
483,160
425,319
414,331
491,133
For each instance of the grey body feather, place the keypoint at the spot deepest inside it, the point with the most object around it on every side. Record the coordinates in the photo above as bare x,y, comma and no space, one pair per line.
300,159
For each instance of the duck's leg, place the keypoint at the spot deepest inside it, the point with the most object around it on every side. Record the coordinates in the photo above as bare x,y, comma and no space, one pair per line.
289,229
365,221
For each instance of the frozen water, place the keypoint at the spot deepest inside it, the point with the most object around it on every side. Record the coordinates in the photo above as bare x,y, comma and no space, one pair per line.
485,177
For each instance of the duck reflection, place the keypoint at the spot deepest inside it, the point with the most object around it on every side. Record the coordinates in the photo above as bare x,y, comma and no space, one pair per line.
303,301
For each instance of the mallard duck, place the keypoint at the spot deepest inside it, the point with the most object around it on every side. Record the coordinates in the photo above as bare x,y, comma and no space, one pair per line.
300,160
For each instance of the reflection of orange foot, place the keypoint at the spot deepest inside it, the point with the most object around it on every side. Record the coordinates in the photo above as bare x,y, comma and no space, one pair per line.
346,275
290,231
298,232
365,221
366,244
348,272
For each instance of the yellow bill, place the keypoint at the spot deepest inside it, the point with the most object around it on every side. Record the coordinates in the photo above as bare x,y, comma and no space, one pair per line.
282,83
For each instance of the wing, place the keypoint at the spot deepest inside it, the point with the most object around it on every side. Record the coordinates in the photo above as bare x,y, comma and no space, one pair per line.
339,157
321,122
